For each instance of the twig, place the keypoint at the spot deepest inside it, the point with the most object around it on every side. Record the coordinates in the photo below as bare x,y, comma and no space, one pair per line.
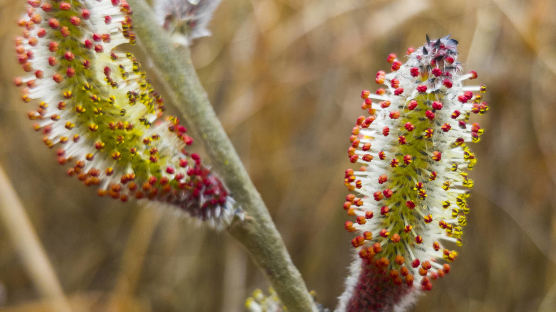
25,240
259,235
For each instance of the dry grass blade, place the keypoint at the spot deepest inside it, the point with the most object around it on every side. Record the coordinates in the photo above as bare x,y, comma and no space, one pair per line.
25,239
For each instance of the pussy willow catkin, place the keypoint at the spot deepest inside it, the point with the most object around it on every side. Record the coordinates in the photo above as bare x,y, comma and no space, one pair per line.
98,110
410,186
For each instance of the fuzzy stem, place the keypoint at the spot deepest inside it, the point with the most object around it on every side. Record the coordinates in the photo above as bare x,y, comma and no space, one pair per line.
257,233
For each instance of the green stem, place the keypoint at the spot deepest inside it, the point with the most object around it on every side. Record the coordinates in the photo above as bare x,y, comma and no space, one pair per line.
257,233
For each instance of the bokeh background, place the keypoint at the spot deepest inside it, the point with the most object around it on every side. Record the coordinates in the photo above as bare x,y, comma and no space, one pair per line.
284,77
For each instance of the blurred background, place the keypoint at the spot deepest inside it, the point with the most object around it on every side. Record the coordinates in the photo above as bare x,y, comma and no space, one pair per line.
284,77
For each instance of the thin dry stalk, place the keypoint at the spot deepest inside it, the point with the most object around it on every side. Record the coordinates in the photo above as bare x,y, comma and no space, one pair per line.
32,253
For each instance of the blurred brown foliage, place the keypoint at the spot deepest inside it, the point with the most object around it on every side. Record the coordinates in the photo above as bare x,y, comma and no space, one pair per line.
284,77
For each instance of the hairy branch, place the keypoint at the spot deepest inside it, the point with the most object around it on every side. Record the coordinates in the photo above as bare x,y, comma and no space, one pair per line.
257,233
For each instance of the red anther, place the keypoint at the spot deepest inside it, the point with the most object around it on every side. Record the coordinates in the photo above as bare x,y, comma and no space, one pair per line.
415,263
429,114
414,71
378,196
394,163
432,176
22,59
65,31
473,74
475,127
360,120
53,46
85,13
368,215
53,23
418,239
367,157
34,3
395,83
384,210
385,104
368,235
384,233
70,72
365,94
98,48
383,178
409,126
396,65
410,50
468,95
422,88
436,71
409,280
388,193
436,105
446,127
407,228
65,6
396,238
107,19
350,197
380,91
366,146
115,2
407,159
381,155
152,180
57,77
449,60
170,170
427,286
446,268
385,131
41,32
105,37
380,76
97,37
428,218
394,115
391,58
347,205
447,83
88,43
398,91
86,63
436,246
436,155
358,241
426,265
410,204
377,248
18,81
361,220
462,99
402,140
69,56
76,21
355,143
412,105
353,158
455,114
462,124
46,7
